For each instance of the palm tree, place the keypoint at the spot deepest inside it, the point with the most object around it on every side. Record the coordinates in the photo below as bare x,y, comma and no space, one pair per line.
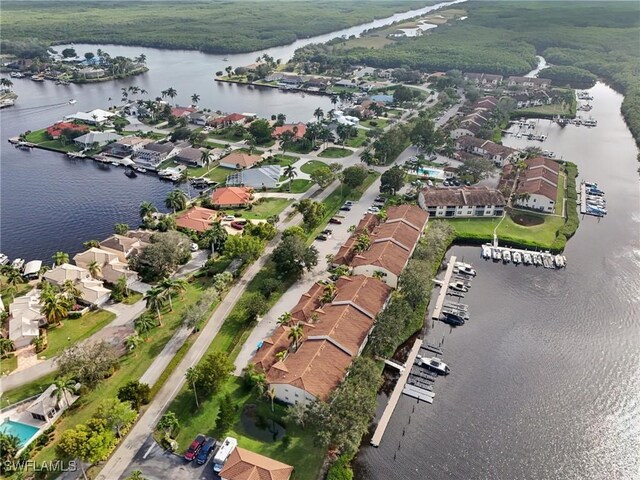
6,346
195,98
5,82
91,244
328,293
171,93
366,157
334,99
70,290
14,278
285,319
363,242
155,301
291,173
271,394
63,385
144,323
94,269
215,236
281,355
60,257
132,342
295,334
146,209
318,114
54,308
193,376
9,445
206,157
176,200
170,286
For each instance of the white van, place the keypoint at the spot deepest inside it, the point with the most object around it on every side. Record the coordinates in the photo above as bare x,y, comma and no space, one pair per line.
227,447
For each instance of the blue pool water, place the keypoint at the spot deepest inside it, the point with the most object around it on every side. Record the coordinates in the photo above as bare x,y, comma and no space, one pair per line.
21,430
432,172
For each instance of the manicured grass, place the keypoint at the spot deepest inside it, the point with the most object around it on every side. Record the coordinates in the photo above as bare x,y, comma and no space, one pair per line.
358,140
299,148
283,160
298,185
266,208
550,110
302,454
74,330
335,152
37,136
559,207
311,166
210,144
7,298
28,390
132,298
379,123
219,174
8,364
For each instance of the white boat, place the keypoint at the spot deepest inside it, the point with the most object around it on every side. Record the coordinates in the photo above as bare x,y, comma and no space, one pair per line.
16,75
459,286
506,256
73,101
18,263
497,255
526,258
141,170
486,251
435,364
115,163
559,259
465,268
3,259
537,259
517,258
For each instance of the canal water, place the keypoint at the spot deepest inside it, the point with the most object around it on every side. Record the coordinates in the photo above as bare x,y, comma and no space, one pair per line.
545,377
49,203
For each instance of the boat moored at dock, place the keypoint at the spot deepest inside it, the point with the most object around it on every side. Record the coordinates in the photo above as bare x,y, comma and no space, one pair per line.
434,364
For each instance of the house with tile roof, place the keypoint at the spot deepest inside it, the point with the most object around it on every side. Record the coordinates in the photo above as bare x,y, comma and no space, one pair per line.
92,291
484,79
25,319
111,268
91,139
231,197
55,130
198,219
245,465
538,185
267,176
298,130
123,246
463,201
238,160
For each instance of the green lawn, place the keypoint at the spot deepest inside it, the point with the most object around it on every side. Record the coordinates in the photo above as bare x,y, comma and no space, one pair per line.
8,364
311,166
509,232
298,185
73,331
7,298
283,160
299,148
562,179
266,208
29,390
358,140
210,144
132,298
564,109
219,174
335,152
38,136
379,122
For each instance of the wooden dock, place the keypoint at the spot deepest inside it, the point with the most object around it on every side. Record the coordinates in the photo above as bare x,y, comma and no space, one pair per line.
395,395
444,288
583,198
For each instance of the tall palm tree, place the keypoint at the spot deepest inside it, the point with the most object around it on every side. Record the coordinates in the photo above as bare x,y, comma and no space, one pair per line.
193,375
170,286
172,93
295,335
318,113
291,173
363,242
215,237
206,157
5,82
10,444
146,209
285,319
14,278
60,257
328,293
271,394
63,385
155,301
334,99
366,157
176,200
70,290
94,269
144,323
54,308
195,98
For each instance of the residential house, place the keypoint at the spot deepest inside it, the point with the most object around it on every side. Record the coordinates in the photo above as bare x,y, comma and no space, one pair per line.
190,156
229,120
128,146
500,154
153,154
100,139
198,118
316,83
292,80
267,176
347,250
183,111
240,160
111,268
345,83
231,197
462,202
94,117
484,79
298,130
384,99
197,218
47,408
528,82
92,291
124,246
245,465
538,185
90,73
25,319
57,129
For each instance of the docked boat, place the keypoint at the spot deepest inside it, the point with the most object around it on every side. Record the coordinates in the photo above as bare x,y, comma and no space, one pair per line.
506,256
16,75
434,364
24,146
547,261
459,286
517,258
3,259
486,251
140,170
465,269
115,164
18,263
76,155
560,262
455,314
37,78
497,255
537,259
590,122
130,172
526,258
73,101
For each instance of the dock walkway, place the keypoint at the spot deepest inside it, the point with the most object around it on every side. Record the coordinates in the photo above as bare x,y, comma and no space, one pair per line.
395,395
583,198
444,289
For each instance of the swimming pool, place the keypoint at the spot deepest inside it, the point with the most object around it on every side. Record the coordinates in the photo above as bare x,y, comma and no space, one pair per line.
432,172
21,430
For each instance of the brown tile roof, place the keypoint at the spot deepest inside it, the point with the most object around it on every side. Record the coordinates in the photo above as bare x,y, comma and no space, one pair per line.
541,161
409,214
300,130
308,303
265,357
435,197
397,232
245,465
387,255
196,218
317,367
541,173
470,142
497,149
539,187
346,326
231,196
367,294
240,158
345,253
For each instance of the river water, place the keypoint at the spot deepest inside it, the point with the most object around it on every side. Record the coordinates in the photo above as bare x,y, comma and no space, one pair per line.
49,203
545,380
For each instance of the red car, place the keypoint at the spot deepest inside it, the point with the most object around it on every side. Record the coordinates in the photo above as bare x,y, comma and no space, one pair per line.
237,225
194,448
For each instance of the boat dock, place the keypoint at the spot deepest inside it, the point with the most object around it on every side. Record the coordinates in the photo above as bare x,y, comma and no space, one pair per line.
444,288
395,395
583,198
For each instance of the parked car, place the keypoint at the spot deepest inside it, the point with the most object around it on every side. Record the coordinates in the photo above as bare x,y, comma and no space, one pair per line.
316,148
349,202
327,232
380,199
467,183
373,209
456,183
237,225
208,447
229,218
335,221
194,448
194,247
345,208
322,237
445,183
433,157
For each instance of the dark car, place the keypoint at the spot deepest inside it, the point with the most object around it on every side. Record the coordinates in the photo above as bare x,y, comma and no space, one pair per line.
328,231
445,183
335,221
345,208
194,448
237,225
322,237
207,449
380,199
456,183
467,183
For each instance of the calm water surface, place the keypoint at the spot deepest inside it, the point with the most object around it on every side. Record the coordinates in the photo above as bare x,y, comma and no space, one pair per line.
49,203
545,380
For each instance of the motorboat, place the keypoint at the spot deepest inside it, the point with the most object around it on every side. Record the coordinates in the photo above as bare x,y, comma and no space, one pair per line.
16,75
526,258
486,251
141,170
18,263
3,259
130,172
455,315
590,184
452,318
537,259
465,269
506,256
459,286
547,261
434,364
517,258
497,255
115,164
559,259
73,101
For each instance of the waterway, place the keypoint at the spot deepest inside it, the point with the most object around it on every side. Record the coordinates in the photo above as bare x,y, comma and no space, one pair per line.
49,203
545,380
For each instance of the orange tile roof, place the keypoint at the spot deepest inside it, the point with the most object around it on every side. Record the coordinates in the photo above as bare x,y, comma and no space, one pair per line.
538,187
244,160
386,255
308,303
399,233
231,196
541,173
265,357
345,325
542,161
245,465
367,294
345,253
301,129
196,218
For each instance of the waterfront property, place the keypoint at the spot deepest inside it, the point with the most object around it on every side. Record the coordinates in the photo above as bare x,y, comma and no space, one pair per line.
153,154
110,268
528,82
59,128
246,465
500,154
198,219
475,121
298,130
127,146
257,178
25,319
94,117
92,291
238,160
99,139
125,246
483,79
538,185
462,202
231,197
